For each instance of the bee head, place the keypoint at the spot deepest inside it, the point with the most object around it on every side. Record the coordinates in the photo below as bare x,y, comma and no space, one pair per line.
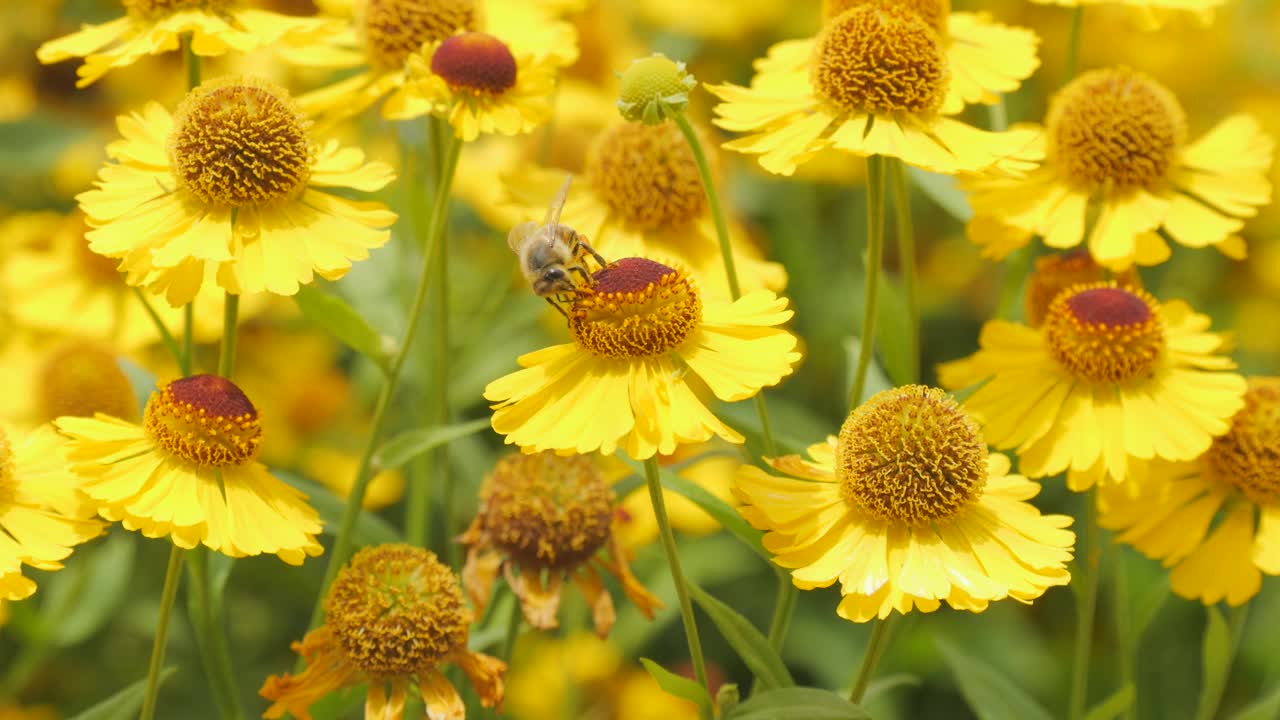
552,280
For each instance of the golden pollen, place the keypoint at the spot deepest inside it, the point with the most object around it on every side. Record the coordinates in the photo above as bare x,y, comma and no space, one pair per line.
547,511
151,9
395,28
397,610
911,455
1055,273
238,142
1105,333
475,61
647,174
204,419
1248,456
1115,127
934,12
880,57
638,308
80,379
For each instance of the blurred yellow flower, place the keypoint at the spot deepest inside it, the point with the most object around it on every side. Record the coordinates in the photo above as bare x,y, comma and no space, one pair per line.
636,524
1111,375
151,27
906,509
876,81
1151,14
336,470
548,672
1115,146
64,377
716,21
227,191
189,472
42,516
647,350
1169,514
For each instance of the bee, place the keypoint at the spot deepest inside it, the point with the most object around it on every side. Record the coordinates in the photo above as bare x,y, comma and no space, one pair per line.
551,255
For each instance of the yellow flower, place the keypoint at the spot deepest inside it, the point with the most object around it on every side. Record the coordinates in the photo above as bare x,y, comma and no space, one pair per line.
190,472
877,80
543,519
336,470
393,616
725,22
1151,14
227,191
550,677
1111,375
643,196
1115,145
907,510
64,377
636,524
42,516
151,27
384,35
647,350
1233,488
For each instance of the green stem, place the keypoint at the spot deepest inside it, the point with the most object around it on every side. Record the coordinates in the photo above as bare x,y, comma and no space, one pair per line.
677,575
193,63
1124,629
206,617
875,248
513,629
227,355
346,529
907,259
1087,600
170,592
1016,267
439,464
871,658
1211,693
187,364
1073,43
784,607
166,337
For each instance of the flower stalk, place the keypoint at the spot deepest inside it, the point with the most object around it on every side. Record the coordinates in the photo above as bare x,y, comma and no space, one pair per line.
907,259
875,251
1086,607
167,596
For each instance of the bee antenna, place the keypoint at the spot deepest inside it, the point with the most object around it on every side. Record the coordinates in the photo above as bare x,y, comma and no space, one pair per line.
553,212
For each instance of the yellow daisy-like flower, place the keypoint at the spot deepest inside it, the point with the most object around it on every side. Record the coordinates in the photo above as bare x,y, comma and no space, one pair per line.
906,509
642,195
1115,146
544,519
42,517
383,35
1110,376
151,27
68,377
393,616
1151,14
228,189
189,472
1234,488
876,81
647,351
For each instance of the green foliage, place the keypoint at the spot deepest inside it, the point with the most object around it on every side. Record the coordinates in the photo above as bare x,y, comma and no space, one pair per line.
339,319
125,704
413,443
792,703
748,642
990,695
681,687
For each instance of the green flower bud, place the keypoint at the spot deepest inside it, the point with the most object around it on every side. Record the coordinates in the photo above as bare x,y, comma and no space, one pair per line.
652,88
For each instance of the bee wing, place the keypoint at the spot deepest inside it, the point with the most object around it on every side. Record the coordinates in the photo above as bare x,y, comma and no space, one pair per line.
557,204
517,236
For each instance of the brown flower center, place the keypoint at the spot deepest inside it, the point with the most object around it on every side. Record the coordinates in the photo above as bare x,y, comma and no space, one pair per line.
1248,456
638,308
880,57
153,9
475,61
1105,333
934,12
240,142
80,379
204,419
911,455
1055,273
397,610
395,28
547,511
1115,128
647,174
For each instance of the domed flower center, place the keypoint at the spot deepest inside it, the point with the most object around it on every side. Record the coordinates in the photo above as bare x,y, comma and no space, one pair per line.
318,402
151,9
639,308
475,61
934,12
880,57
1115,127
204,419
652,84
397,610
395,28
547,511
1055,273
1105,333
647,174
80,379
240,142
911,455
1248,456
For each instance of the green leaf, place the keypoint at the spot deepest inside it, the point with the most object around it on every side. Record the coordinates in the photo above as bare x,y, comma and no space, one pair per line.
876,379
746,640
337,317
792,703
891,332
1216,653
882,685
125,704
88,594
371,529
681,687
410,444
943,190
989,694
1114,706
1148,605
1265,708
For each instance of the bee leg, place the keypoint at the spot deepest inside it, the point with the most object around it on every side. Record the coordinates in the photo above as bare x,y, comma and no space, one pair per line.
580,244
586,277
556,305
